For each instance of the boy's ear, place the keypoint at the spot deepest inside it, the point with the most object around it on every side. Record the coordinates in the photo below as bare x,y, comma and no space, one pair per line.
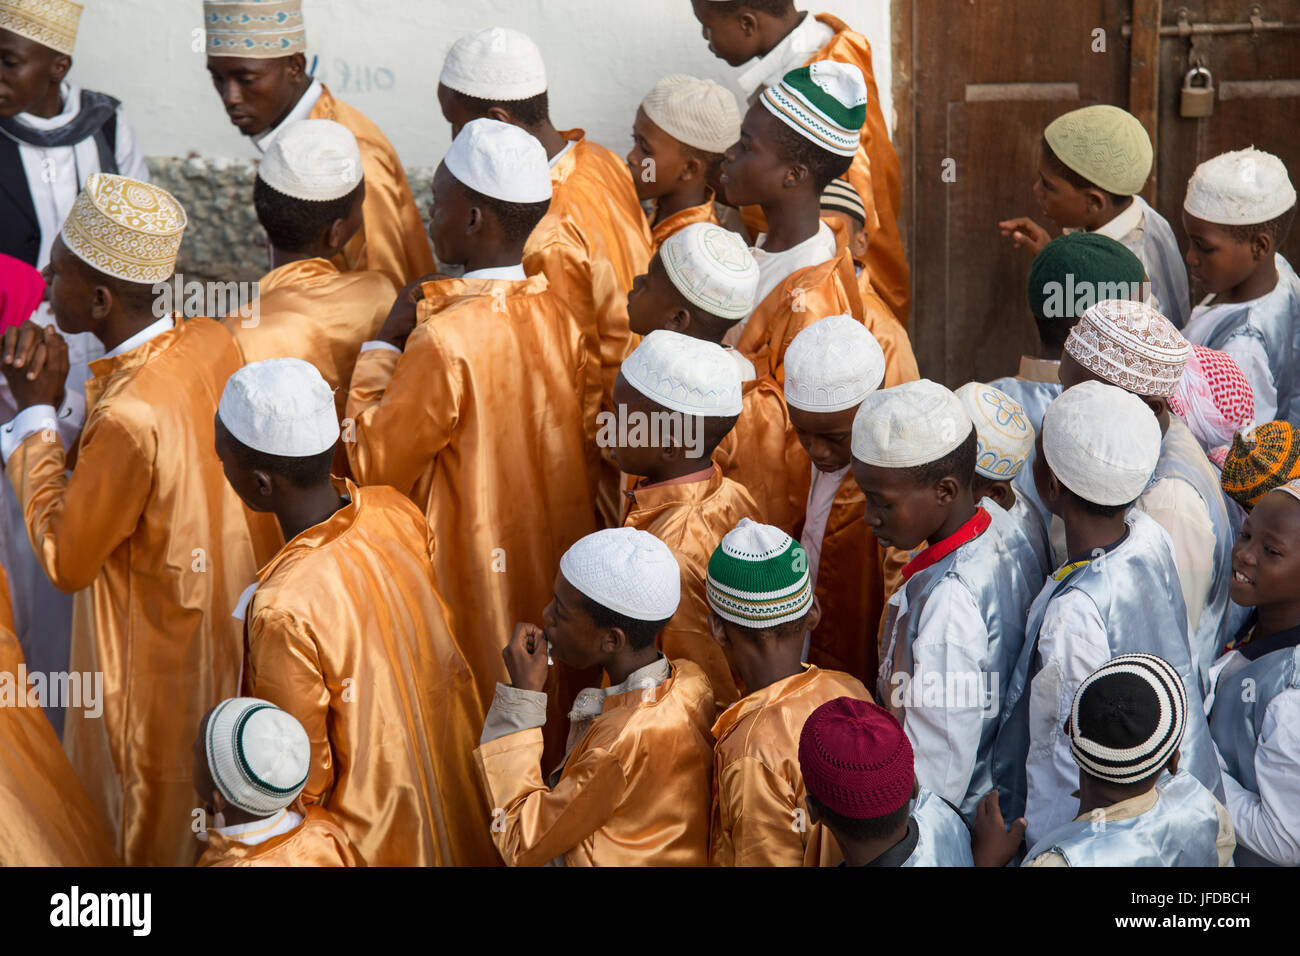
1158,406
1261,244
858,244
501,115
814,616
796,174
265,483
717,630
334,234
613,640
1094,199
947,489
101,303
476,221
679,321
748,21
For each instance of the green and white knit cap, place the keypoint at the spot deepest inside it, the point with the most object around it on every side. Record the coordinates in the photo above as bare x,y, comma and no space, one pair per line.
758,577
825,102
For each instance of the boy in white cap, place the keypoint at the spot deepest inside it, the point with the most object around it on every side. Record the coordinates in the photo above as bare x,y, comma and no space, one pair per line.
595,240
1238,211
682,128
841,202
953,630
832,366
800,135
1131,345
1093,163
53,135
1125,725
676,398
1118,594
352,600
256,57
1255,707
309,195
633,789
448,401
778,38
761,605
145,529
251,762
700,283
1005,443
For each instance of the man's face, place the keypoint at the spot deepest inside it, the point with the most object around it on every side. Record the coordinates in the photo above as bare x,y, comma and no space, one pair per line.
257,93
652,301
70,290
449,218
1217,261
827,437
455,110
573,636
1060,201
899,512
752,171
656,161
27,69
726,34
1266,557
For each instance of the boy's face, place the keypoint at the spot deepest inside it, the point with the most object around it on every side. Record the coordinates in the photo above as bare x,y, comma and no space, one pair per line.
656,160
449,218
1058,199
857,233
1216,260
653,301
27,70
731,36
1266,557
638,448
753,171
899,512
574,637
71,290
257,93
827,437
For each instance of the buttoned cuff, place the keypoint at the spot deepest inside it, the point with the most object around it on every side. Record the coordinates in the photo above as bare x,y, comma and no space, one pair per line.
371,346
513,709
29,421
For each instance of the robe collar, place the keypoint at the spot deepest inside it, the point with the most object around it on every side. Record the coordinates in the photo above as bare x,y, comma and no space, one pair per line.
298,272
972,529
694,487
683,218
230,846
567,160
319,535
764,697
1039,370
590,702
153,341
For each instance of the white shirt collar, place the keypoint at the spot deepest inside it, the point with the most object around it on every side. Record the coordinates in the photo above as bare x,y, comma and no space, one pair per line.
590,703
560,155
1131,218
790,54
301,111
259,831
165,324
71,94
512,273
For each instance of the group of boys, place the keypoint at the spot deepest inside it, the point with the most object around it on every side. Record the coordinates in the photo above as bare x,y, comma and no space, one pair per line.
797,605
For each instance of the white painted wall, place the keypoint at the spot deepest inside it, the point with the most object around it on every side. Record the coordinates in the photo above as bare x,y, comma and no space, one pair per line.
384,57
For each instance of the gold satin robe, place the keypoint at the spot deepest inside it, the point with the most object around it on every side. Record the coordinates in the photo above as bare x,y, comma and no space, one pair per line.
347,632
691,518
759,815
763,454
393,239
47,819
317,841
634,790
900,359
159,549
591,245
482,422
678,221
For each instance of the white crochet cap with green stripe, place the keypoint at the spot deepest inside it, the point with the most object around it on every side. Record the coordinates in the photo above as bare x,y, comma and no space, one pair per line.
758,577
825,102
258,754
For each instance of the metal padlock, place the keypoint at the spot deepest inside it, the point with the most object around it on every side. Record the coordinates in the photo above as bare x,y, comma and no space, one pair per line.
1197,101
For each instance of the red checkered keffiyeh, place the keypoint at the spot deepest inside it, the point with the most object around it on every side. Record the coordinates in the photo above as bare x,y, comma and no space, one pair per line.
1214,399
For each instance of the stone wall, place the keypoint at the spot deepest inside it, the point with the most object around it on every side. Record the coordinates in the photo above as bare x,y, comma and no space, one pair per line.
224,241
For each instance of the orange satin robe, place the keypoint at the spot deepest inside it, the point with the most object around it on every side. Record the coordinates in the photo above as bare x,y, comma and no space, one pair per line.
759,815
47,818
850,587
482,422
691,518
875,174
159,549
680,220
310,310
347,632
317,841
763,454
393,239
592,244
900,359
634,790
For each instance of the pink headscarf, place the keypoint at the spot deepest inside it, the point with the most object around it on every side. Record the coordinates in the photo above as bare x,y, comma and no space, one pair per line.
21,289
1214,400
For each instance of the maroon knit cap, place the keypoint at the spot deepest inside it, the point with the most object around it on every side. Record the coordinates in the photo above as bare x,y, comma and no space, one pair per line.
855,759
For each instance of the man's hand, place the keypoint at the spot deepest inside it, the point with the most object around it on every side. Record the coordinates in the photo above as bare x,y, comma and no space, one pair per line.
1025,233
993,844
400,323
34,360
525,657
